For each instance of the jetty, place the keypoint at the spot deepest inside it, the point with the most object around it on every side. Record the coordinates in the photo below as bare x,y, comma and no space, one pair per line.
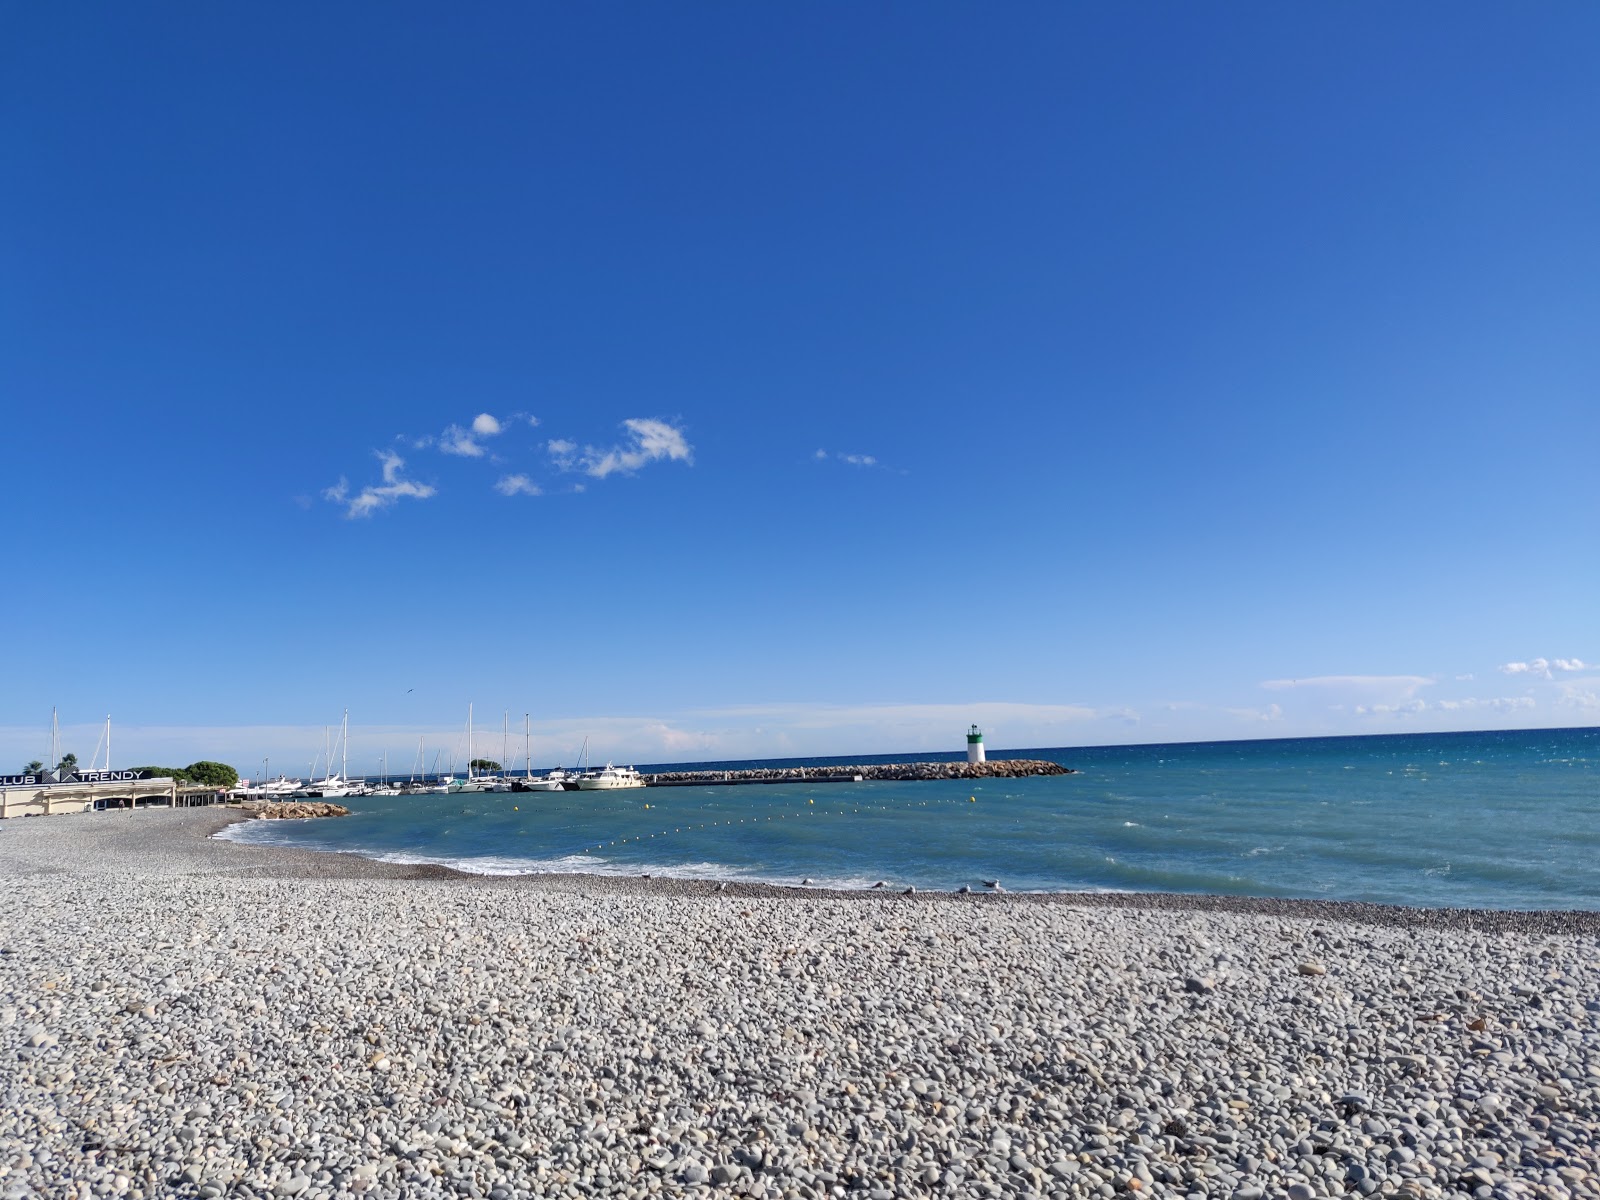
1002,768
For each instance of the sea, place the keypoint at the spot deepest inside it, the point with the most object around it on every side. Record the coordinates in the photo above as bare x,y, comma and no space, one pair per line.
1466,820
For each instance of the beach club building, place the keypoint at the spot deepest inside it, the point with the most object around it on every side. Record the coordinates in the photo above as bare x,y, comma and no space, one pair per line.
43,795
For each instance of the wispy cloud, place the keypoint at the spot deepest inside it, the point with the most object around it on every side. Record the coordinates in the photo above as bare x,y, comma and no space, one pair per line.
855,460
464,443
648,440
1500,704
563,453
1582,695
1545,668
1407,684
1408,708
374,497
1273,712
517,485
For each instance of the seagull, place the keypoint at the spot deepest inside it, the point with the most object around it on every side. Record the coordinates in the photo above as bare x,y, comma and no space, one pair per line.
880,883
410,690
991,883
963,890
910,891
806,882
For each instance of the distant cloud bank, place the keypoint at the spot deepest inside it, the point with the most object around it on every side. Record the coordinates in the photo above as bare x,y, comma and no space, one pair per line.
1545,668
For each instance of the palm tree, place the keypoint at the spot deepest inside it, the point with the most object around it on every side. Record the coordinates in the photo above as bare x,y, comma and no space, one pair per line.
33,768
69,764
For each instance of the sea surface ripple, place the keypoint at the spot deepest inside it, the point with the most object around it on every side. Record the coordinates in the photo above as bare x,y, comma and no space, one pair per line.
1500,820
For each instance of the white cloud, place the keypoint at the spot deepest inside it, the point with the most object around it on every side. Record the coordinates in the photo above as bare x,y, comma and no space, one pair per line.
649,440
375,497
855,460
463,443
563,451
518,485
1272,712
1578,696
1405,684
1407,709
1502,704
1545,668
533,420
458,441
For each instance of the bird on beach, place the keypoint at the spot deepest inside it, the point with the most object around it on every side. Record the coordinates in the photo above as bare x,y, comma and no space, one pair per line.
991,883
881,883
964,890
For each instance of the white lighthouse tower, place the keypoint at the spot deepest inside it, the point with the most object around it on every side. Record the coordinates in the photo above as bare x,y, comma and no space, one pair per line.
974,745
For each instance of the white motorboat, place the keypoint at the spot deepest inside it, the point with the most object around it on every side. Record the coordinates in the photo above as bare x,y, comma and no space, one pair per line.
324,789
557,780
609,778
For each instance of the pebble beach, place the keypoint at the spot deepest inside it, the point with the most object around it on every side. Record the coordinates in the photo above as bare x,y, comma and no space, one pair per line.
181,1016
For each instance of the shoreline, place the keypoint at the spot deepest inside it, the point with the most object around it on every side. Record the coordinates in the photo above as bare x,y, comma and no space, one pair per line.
184,1017
276,861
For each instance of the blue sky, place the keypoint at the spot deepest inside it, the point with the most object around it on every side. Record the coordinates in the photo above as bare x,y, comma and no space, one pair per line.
719,381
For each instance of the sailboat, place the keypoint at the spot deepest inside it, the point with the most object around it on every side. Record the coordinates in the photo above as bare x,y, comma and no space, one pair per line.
473,782
552,781
334,786
385,786
419,785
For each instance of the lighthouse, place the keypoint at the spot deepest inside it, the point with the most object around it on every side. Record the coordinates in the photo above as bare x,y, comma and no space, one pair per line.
974,745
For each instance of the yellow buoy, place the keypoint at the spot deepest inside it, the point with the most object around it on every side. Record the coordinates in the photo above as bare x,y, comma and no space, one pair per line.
972,799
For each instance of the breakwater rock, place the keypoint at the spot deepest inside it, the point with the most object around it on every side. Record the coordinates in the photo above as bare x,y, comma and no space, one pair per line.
1000,768
298,810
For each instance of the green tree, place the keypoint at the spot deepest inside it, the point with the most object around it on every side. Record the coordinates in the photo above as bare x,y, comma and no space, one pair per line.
212,774
485,764
69,764
33,768
181,774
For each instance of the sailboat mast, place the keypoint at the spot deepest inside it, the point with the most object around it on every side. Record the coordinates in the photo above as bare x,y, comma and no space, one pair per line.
55,740
108,741
505,739
469,740
527,745
344,747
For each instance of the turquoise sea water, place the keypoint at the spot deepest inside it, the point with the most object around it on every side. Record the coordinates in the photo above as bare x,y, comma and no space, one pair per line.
1502,820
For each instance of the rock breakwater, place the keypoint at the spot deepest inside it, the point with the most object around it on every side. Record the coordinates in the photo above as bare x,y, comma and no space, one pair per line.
299,810
1000,768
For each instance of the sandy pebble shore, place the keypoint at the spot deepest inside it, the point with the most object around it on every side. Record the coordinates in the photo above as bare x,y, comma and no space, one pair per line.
186,1017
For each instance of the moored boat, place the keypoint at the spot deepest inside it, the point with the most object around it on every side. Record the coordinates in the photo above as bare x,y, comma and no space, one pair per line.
609,778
